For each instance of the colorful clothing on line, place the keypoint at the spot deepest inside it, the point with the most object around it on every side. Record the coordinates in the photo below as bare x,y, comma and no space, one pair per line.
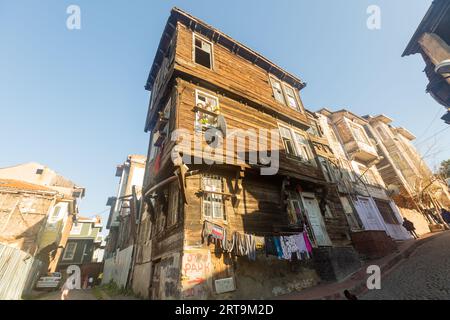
270,247
277,243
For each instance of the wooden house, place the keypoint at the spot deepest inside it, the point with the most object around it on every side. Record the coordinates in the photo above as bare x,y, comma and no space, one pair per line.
207,88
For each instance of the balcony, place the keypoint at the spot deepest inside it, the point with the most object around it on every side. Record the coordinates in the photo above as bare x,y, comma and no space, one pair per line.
361,151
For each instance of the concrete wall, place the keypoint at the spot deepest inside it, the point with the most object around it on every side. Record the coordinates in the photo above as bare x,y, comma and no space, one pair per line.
417,218
117,268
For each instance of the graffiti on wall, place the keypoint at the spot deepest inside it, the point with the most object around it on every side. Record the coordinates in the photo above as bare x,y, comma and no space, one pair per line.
196,273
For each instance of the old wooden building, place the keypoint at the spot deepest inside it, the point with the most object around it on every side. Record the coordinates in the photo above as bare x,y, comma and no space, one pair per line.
432,41
232,178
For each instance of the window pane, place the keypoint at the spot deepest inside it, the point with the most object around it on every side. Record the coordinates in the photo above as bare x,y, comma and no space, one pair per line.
277,92
292,102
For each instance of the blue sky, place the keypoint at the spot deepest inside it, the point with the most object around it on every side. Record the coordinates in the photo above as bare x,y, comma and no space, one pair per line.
75,100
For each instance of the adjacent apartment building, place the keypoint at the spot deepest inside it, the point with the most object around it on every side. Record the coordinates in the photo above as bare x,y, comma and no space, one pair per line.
421,193
123,221
84,248
212,229
37,208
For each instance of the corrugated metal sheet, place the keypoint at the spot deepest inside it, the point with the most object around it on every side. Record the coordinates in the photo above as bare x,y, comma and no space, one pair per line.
118,267
18,272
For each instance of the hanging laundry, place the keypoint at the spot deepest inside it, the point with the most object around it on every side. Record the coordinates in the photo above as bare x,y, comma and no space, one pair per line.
307,242
211,230
260,243
240,248
301,245
288,246
227,245
277,243
250,243
270,247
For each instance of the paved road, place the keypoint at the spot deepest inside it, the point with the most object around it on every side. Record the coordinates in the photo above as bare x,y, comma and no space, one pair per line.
425,275
73,295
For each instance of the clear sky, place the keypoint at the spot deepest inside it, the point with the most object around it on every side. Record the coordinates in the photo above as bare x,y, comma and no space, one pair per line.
74,100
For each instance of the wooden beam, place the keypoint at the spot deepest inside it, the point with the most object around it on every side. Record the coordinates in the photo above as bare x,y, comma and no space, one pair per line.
435,49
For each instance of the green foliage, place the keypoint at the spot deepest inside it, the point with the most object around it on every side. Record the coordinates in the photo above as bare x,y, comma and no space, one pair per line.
444,170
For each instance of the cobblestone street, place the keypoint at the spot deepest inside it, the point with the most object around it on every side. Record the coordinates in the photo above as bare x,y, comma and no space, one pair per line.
424,275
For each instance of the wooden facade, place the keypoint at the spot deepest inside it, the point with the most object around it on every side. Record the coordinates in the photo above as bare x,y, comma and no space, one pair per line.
249,94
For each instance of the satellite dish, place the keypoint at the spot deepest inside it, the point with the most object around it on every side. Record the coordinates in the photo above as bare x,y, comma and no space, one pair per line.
393,190
222,124
443,67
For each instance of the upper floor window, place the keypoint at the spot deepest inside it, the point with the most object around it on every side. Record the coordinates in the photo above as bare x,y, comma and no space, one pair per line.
76,228
359,134
203,52
213,203
288,142
295,143
69,253
207,108
290,97
284,93
326,169
277,91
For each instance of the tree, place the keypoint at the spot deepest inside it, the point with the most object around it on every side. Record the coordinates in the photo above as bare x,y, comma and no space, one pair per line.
444,170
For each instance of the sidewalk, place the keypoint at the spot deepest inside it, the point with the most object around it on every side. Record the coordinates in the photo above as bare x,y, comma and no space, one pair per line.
356,283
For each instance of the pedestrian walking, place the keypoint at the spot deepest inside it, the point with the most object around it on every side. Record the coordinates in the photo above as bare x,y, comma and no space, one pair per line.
409,226
67,286
90,282
349,295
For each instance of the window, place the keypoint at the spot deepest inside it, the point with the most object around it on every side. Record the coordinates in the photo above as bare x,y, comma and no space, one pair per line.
294,211
207,107
76,228
382,131
153,149
212,197
202,52
290,97
386,211
315,129
359,134
326,169
288,143
277,91
174,196
69,253
303,149
295,144
55,213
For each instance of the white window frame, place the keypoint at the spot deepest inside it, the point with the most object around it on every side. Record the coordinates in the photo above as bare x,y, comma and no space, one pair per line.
274,80
198,125
356,127
153,149
74,230
216,201
286,96
303,150
65,256
211,53
327,170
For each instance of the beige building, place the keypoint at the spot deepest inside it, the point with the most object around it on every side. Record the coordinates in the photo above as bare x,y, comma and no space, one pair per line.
122,221
421,194
37,206
361,184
